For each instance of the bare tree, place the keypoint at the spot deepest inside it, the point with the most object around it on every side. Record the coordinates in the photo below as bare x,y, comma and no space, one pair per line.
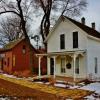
21,9
64,7
10,29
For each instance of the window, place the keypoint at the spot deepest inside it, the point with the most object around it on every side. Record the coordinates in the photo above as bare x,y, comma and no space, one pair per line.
75,39
77,66
24,49
62,65
62,41
14,60
8,61
96,65
5,62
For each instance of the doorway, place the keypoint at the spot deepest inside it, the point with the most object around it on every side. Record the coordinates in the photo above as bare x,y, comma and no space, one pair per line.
51,66
1,64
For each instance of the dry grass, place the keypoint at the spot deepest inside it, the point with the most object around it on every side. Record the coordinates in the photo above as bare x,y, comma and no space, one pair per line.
66,93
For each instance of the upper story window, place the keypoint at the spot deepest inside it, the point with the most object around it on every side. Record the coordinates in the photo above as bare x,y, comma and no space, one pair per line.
24,49
62,41
75,39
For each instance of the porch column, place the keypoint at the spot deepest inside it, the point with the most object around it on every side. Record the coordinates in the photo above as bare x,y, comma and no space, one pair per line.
48,64
74,66
54,66
39,66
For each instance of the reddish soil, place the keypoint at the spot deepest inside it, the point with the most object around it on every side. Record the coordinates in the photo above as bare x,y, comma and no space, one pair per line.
17,92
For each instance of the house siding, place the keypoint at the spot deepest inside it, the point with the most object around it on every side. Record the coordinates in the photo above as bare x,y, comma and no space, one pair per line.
89,45
7,68
21,60
67,28
92,52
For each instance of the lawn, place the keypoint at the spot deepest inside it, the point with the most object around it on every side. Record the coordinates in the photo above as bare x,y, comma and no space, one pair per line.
22,87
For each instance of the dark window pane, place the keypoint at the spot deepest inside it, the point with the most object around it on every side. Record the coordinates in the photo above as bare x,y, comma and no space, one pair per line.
62,41
75,39
96,66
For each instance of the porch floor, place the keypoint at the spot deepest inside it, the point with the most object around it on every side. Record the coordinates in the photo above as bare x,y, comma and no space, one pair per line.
69,79
60,78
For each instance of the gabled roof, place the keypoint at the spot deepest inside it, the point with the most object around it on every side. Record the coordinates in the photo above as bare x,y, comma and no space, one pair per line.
87,29
12,44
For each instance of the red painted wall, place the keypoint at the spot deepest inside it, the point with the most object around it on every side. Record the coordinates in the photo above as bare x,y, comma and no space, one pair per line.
7,65
22,61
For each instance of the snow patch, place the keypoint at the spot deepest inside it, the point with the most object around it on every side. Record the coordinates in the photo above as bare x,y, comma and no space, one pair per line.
92,87
60,85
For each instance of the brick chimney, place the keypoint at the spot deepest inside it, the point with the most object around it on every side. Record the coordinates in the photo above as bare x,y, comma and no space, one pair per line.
93,25
83,20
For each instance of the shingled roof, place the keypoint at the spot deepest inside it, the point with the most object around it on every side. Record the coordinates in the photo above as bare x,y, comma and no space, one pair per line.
87,29
12,44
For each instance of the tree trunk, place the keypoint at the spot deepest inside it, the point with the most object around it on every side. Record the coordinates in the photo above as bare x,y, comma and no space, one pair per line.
23,25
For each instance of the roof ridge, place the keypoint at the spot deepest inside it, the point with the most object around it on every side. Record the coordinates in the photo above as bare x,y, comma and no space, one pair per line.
86,28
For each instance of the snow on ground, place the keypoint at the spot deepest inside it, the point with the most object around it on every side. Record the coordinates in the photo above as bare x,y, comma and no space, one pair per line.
39,82
11,76
91,97
74,87
60,85
92,87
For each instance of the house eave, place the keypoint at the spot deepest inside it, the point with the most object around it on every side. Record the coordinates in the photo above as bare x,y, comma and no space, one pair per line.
94,38
62,53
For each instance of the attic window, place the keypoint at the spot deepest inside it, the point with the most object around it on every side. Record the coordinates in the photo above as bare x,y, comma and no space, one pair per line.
24,49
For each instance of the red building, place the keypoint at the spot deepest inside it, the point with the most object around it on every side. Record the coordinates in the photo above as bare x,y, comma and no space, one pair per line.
15,57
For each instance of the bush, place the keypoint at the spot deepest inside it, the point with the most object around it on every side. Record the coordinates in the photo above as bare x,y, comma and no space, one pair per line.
25,73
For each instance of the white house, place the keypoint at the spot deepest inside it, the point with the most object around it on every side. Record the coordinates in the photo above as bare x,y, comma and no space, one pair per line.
73,49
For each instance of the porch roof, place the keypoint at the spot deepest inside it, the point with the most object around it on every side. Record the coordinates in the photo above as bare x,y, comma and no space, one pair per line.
64,53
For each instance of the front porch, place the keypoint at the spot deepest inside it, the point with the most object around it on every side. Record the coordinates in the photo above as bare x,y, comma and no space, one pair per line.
64,66
64,79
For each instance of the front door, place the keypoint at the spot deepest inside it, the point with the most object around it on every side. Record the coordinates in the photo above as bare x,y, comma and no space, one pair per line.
77,66
63,65
51,66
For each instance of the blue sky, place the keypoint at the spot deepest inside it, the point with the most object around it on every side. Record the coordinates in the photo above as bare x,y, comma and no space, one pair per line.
92,14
